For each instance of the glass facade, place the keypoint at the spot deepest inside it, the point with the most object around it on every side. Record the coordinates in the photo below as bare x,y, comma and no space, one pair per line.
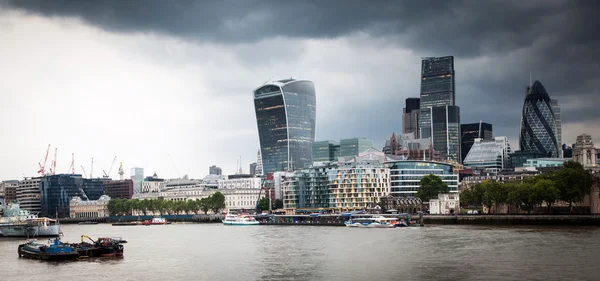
446,132
307,188
489,155
56,191
437,89
472,131
324,151
353,147
286,119
538,126
410,116
137,176
405,176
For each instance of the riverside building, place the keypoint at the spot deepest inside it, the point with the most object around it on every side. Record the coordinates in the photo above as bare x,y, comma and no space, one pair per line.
405,176
28,195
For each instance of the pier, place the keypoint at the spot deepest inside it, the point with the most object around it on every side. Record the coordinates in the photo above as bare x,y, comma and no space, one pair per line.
329,219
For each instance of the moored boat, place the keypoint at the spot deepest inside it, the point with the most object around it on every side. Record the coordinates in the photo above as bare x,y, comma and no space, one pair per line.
239,219
156,221
376,222
102,247
88,222
17,222
55,250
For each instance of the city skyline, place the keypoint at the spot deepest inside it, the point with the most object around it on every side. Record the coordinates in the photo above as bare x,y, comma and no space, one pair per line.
173,99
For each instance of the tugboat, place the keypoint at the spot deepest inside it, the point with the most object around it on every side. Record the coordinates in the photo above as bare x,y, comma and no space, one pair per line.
55,250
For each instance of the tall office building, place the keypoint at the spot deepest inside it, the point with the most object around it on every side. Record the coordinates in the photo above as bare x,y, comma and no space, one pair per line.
437,89
538,125
410,116
253,168
446,131
472,131
558,119
214,170
137,176
286,118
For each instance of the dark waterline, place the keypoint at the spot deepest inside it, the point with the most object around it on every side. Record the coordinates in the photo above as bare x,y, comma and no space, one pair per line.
217,252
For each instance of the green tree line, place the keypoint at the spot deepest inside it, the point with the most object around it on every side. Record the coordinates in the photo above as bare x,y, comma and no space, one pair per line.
263,204
120,207
569,184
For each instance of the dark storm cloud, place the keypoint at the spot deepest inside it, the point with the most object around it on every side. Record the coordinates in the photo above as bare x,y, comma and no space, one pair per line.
556,40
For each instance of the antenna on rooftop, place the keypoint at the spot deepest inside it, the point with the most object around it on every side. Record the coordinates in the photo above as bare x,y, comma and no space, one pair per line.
268,80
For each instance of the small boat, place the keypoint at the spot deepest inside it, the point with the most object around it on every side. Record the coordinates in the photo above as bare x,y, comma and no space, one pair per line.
156,221
242,219
55,250
378,222
88,222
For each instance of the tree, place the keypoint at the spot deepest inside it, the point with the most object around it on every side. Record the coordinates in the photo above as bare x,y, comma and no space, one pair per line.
278,204
205,205
495,193
263,204
573,182
217,202
547,192
430,187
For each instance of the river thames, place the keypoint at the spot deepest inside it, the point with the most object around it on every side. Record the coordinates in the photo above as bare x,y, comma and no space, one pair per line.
218,252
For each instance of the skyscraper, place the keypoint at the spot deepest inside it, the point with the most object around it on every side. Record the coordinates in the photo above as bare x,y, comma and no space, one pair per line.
445,122
472,131
410,116
437,89
286,119
354,146
538,125
558,119
137,176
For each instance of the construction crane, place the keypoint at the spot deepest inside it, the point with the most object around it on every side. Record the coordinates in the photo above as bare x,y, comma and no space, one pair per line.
53,165
121,173
72,167
109,170
84,173
42,170
92,168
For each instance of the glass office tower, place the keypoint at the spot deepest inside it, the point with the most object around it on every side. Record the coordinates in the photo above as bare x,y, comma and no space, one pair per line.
538,126
437,89
446,131
286,119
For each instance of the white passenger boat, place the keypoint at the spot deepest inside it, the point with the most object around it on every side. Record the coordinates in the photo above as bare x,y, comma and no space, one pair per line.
21,223
239,219
375,222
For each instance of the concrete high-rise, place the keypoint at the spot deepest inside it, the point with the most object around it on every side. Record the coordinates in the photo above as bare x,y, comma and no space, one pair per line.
538,124
286,119
410,116
472,131
558,120
437,89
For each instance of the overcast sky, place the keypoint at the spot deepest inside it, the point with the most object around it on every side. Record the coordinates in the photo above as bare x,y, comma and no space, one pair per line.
167,85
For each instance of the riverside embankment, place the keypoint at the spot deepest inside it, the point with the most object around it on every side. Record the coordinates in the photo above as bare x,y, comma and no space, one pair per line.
579,220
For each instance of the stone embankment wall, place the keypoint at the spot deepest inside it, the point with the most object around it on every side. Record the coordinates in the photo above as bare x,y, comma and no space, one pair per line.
574,220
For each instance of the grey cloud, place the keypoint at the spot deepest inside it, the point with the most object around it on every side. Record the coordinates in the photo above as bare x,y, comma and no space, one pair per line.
557,40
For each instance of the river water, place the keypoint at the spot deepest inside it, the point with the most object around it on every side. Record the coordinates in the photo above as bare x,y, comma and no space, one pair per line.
218,252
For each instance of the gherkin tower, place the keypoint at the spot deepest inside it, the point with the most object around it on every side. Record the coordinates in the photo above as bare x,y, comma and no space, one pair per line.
538,126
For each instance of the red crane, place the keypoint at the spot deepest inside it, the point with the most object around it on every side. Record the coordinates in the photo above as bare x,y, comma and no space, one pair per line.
42,170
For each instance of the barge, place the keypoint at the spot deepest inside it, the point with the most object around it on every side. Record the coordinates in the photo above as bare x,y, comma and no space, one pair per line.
57,250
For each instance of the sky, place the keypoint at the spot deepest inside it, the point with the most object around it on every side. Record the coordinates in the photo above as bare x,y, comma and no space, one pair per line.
167,85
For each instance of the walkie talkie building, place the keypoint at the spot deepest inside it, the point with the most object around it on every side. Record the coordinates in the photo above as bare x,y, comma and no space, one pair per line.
538,126
286,117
